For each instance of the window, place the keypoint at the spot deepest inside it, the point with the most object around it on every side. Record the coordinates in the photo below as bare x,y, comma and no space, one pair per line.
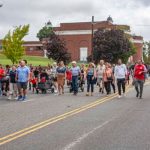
31,48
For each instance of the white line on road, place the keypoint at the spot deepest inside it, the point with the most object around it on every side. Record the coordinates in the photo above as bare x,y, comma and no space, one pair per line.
85,135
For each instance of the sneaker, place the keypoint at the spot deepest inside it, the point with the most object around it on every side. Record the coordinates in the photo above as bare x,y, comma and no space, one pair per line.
19,98
24,98
15,98
137,95
87,94
119,96
55,91
9,98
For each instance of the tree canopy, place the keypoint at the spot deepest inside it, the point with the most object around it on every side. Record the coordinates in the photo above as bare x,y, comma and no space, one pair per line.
146,52
44,32
56,48
111,45
12,43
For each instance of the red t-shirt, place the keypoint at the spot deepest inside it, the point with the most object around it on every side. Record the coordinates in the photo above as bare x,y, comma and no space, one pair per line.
2,72
138,72
34,81
69,75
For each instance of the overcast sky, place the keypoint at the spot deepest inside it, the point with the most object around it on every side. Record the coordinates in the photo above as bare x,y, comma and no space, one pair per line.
135,13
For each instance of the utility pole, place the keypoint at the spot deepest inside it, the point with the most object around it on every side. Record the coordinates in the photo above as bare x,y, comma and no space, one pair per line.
92,36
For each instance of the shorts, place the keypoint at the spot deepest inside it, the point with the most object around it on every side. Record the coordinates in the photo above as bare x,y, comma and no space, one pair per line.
55,79
22,85
34,85
99,80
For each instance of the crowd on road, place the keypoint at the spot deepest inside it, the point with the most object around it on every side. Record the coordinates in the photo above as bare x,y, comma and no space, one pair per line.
15,81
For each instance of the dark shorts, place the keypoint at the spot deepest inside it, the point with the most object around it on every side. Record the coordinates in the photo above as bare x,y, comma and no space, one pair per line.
34,85
55,79
22,85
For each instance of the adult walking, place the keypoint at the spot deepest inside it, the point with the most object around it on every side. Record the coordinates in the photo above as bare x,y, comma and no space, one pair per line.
100,71
54,73
75,76
108,78
139,78
22,77
91,76
120,73
61,74
2,74
13,83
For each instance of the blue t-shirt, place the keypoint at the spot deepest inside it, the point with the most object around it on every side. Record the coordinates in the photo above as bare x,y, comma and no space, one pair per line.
23,73
75,71
90,72
61,69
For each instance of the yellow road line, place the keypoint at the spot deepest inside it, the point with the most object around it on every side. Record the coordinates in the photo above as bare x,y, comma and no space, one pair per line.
50,121
54,121
38,124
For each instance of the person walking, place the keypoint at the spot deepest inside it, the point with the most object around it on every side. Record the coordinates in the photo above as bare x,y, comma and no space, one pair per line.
120,73
75,76
54,74
100,71
13,84
61,74
22,77
108,78
139,78
91,76
2,74
112,83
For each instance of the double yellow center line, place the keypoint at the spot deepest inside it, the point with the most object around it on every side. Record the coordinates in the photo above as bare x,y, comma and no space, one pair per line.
31,129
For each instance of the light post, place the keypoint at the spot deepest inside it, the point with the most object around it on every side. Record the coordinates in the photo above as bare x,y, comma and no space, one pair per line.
92,49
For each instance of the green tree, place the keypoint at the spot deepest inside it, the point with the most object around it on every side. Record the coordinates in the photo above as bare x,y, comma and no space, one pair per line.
146,52
56,48
12,43
45,31
111,45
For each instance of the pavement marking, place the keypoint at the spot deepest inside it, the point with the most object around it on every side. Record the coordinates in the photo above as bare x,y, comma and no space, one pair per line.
36,127
50,121
85,135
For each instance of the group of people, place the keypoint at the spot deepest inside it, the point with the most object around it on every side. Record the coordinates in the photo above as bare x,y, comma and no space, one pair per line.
15,80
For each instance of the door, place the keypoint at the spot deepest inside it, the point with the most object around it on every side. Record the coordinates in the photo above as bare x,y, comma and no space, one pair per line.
83,53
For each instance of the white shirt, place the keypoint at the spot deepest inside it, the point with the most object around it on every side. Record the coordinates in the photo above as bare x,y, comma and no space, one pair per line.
120,71
100,70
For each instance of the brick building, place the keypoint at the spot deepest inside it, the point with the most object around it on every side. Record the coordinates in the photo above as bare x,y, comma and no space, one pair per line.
32,48
78,37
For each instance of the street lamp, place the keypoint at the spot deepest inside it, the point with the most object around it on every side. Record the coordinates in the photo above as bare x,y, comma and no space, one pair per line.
92,49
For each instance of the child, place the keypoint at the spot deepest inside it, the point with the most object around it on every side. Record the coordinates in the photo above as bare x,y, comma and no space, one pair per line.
34,81
13,84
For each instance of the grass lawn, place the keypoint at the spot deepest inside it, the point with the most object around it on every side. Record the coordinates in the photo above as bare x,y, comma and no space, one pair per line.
34,60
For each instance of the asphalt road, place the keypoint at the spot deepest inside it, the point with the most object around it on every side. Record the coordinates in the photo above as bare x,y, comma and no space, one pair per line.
49,122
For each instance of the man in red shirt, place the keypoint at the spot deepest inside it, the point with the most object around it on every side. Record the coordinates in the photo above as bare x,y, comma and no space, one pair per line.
139,77
2,73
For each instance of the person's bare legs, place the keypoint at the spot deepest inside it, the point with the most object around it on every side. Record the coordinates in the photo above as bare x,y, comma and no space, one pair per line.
59,89
62,87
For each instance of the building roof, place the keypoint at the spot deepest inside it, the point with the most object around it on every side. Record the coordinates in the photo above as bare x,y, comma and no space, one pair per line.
88,26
